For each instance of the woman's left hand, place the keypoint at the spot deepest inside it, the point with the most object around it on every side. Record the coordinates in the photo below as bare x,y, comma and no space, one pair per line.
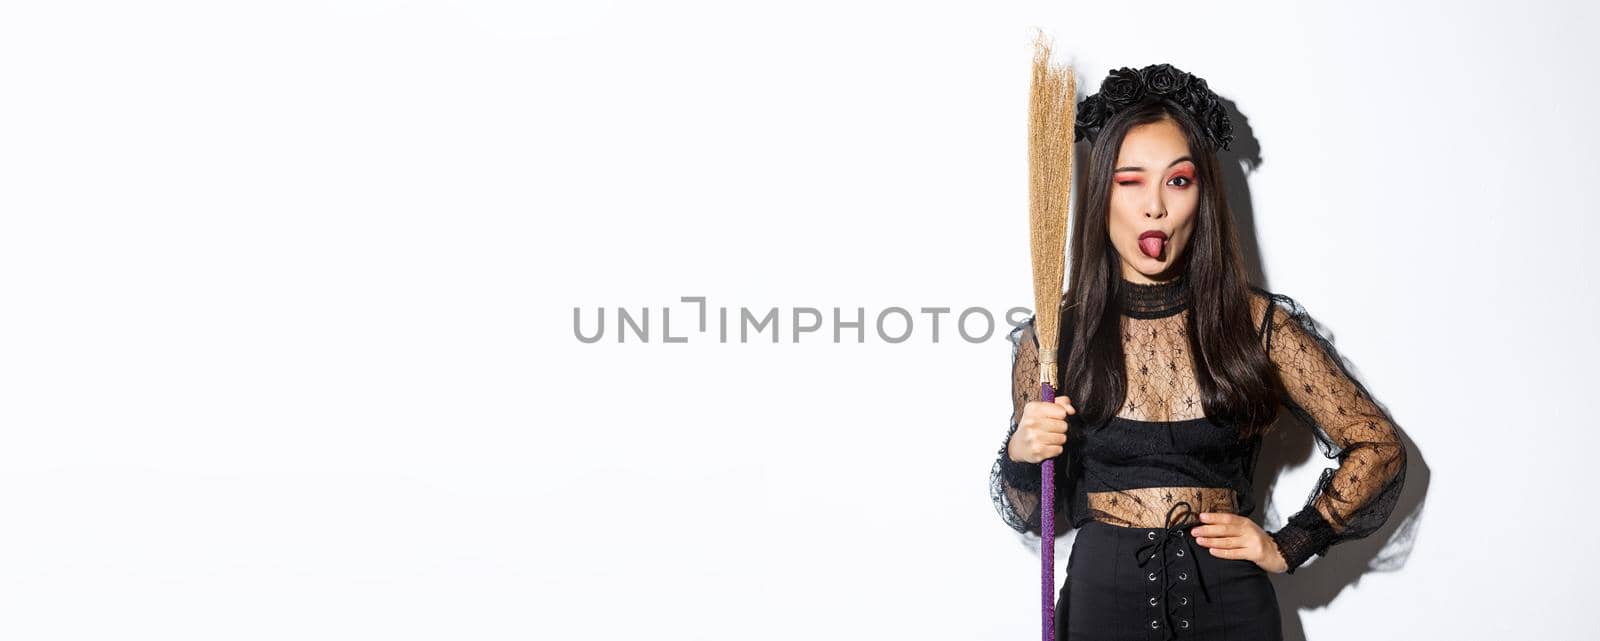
1230,536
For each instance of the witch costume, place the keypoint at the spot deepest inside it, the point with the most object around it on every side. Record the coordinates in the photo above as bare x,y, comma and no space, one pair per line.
1134,484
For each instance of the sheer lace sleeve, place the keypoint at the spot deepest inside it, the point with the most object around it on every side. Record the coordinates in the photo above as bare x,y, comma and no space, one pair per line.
1013,485
1355,498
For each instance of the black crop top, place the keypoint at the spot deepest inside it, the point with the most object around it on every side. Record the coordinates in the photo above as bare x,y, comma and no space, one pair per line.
1160,449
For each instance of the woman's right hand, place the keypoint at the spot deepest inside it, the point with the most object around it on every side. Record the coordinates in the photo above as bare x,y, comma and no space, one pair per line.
1042,432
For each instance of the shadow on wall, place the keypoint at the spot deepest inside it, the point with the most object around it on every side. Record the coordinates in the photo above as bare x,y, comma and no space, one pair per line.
1290,444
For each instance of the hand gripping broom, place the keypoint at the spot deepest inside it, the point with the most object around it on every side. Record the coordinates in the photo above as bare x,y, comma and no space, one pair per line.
1051,119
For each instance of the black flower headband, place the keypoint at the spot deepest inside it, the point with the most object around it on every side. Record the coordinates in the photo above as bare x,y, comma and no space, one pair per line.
1125,87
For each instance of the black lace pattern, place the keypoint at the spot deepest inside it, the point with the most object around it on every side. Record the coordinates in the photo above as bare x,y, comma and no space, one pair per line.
1166,433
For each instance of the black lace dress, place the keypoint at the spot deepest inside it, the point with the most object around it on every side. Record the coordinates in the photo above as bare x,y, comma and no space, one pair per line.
1134,484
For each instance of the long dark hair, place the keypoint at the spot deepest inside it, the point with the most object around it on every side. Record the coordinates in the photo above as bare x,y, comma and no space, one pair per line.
1238,386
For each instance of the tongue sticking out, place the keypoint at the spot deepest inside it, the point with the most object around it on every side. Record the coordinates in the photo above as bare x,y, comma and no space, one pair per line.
1151,246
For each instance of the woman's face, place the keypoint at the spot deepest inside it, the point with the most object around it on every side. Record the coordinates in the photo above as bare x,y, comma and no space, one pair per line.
1153,189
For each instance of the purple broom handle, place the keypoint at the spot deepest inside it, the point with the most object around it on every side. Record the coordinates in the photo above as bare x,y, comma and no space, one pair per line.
1047,528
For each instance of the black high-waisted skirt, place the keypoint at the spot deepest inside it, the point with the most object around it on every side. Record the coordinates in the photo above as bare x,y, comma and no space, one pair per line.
1157,583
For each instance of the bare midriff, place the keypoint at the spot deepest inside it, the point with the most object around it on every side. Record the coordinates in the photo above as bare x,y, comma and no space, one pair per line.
1151,506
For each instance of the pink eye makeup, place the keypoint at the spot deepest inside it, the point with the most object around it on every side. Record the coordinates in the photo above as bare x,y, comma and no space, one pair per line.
1134,176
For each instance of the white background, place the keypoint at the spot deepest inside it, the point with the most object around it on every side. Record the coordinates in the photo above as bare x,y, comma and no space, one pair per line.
286,345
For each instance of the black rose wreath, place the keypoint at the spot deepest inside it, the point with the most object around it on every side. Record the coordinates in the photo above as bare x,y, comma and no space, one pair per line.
1124,87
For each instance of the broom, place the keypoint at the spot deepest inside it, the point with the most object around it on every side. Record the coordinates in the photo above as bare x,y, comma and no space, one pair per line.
1051,118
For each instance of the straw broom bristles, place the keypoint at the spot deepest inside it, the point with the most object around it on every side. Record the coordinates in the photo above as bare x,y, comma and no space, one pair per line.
1052,114
1051,120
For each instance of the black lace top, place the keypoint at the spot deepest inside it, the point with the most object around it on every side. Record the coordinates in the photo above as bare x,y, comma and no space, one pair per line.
1160,449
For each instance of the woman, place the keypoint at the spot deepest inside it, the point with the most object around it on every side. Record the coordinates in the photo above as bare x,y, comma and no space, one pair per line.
1172,367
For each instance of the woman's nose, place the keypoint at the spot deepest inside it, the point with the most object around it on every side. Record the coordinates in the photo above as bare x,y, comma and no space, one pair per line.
1154,207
